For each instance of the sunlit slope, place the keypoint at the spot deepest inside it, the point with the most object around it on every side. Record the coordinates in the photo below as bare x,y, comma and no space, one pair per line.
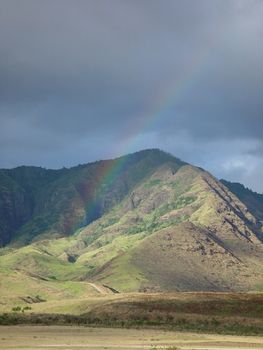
189,233
178,229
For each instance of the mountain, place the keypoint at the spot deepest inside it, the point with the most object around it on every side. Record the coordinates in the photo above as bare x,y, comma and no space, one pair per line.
38,203
143,222
253,200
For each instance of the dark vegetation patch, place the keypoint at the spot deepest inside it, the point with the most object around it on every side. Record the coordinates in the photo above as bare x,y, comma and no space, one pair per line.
36,201
253,200
33,299
239,314
236,326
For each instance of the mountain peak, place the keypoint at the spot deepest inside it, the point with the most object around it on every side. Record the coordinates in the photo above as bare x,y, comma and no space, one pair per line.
172,225
60,201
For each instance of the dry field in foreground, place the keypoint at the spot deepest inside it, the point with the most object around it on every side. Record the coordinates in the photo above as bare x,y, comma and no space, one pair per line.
219,313
73,338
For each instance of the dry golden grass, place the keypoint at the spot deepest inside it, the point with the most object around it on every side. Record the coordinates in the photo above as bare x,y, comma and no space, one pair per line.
224,313
61,337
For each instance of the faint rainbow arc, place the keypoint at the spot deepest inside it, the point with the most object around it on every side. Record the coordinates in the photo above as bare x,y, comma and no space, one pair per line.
168,98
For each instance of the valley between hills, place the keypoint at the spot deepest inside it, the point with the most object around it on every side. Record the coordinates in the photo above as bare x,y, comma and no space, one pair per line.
114,240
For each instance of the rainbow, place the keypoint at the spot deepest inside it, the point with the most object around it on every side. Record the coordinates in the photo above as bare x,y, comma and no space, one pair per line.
165,101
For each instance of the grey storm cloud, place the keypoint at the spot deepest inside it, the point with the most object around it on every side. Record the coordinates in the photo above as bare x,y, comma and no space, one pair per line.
82,80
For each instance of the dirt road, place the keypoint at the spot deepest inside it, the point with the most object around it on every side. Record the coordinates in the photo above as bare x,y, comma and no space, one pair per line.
100,289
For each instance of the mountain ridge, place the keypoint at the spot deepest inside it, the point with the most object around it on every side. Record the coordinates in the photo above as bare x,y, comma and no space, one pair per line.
34,189
170,226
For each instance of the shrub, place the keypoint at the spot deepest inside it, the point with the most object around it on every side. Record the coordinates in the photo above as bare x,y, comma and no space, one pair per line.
16,309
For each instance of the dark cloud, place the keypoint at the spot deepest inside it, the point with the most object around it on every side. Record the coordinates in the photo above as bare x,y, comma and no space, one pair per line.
82,80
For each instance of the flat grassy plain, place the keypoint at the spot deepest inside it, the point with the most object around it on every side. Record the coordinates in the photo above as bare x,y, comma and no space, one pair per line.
76,337
221,313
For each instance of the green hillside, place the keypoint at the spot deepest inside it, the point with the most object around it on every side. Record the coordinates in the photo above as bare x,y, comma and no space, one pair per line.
166,226
151,224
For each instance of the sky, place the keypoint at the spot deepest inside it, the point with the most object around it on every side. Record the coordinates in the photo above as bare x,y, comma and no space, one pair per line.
82,80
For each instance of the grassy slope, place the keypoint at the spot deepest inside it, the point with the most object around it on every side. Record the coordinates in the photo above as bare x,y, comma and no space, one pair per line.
186,232
16,287
177,230
231,247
